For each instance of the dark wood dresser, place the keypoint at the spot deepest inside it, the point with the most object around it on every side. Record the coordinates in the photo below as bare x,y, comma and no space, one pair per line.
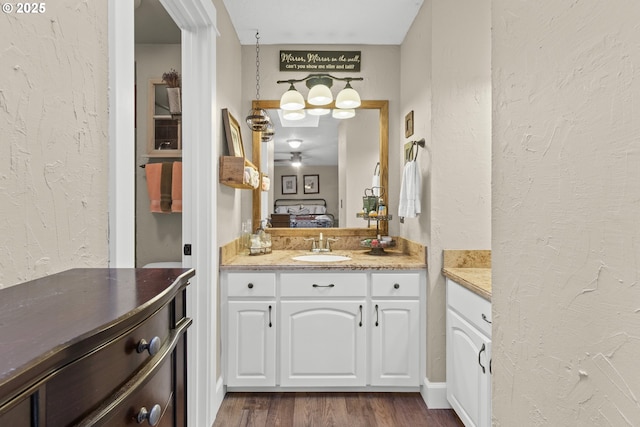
95,347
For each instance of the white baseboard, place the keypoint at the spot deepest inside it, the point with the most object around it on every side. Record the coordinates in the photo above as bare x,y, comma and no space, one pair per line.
435,395
221,390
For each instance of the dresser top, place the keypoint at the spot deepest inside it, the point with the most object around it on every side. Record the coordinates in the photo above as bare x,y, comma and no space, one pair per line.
43,321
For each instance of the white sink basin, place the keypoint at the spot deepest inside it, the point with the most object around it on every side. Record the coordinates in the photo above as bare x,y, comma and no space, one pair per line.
321,258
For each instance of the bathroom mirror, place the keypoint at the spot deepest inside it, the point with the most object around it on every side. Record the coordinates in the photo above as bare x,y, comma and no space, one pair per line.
361,143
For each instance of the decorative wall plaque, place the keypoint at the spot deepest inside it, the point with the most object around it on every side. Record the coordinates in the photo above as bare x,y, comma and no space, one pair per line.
324,61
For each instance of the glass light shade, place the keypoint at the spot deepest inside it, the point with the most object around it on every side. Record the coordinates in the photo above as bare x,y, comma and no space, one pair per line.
258,119
292,100
320,95
348,98
346,113
293,114
294,143
318,111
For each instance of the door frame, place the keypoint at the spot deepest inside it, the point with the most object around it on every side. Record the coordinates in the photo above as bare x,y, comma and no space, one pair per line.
196,19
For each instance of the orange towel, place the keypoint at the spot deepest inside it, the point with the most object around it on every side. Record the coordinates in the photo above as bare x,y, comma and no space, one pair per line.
153,172
176,188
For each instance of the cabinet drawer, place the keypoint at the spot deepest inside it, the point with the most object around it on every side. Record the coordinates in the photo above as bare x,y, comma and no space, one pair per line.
251,285
472,307
395,285
323,285
83,384
157,391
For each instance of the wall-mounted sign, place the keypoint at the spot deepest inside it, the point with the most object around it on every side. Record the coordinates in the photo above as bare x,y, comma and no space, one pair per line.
319,60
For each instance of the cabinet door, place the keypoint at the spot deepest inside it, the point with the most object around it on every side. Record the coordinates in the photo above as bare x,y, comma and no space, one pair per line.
251,343
394,343
468,372
323,343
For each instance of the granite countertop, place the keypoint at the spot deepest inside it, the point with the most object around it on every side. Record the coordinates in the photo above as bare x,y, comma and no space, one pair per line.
477,280
360,260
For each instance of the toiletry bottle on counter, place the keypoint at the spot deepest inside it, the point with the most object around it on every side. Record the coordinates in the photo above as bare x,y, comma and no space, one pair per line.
382,208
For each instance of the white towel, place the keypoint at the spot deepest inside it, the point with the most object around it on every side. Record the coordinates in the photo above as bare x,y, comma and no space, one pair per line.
410,191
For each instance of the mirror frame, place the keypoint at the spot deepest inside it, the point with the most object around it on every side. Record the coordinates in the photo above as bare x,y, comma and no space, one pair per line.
383,107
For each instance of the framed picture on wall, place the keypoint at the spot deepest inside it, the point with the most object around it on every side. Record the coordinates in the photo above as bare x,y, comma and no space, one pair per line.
408,124
311,184
232,134
289,184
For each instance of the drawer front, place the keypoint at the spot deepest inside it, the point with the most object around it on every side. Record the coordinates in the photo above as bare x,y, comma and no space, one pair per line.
406,285
251,284
323,285
157,391
472,307
87,382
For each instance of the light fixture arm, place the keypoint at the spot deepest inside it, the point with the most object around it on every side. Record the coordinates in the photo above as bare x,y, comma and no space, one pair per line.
320,76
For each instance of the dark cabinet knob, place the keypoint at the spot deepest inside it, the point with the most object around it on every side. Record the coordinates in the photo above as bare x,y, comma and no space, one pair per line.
152,346
152,416
250,286
396,286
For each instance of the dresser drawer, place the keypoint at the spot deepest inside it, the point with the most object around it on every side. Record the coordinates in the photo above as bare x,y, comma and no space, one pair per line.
157,391
251,284
469,305
82,385
405,285
323,285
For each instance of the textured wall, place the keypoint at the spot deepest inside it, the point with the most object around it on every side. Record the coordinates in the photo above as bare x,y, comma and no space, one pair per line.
446,80
566,211
53,140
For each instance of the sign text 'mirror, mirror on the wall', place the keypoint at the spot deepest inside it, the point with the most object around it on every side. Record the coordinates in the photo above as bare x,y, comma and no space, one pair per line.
320,60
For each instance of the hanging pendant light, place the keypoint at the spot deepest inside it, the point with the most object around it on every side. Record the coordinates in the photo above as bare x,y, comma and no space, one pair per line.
258,119
268,133
292,99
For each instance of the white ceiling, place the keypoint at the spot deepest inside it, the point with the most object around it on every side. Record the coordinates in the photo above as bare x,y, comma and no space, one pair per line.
376,22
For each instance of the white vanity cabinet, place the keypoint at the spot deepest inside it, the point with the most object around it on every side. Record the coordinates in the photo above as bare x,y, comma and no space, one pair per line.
324,329
468,355
395,325
251,329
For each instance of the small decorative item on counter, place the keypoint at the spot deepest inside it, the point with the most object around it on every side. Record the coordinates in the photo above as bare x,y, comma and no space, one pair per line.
260,242
382,208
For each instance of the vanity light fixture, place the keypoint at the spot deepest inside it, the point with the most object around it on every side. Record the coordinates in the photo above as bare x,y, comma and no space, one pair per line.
293,114
320,93
318,111
294,143
343,113
258,119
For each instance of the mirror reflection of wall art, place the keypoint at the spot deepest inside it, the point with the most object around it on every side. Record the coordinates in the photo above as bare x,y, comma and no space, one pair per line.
289,184
232,134
311,184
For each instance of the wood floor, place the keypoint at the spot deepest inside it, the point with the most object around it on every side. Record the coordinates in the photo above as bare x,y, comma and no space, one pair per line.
331,409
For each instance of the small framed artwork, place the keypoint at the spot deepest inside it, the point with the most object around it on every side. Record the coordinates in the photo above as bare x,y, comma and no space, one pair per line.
289,184
232,134
311,184
408,124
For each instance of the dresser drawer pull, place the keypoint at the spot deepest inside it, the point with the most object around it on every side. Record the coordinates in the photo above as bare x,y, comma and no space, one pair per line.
361,316
270,324
484,317
250,286
330,285
152,346
396,286
152,416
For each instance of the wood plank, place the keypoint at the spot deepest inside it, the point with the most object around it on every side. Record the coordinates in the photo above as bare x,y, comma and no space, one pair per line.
331,409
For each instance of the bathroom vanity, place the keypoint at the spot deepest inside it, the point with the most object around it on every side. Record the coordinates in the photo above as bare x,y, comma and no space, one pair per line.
356,324
95,347
469,365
